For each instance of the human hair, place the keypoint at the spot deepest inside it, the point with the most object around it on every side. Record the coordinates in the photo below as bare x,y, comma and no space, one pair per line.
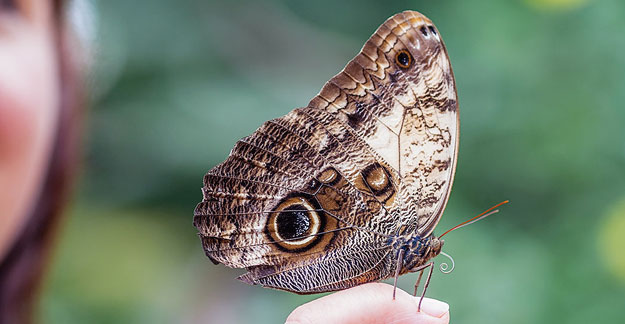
23,267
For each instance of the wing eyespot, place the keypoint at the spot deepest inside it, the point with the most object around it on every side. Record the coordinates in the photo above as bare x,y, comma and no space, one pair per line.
376,180
294,224
329,176
403,59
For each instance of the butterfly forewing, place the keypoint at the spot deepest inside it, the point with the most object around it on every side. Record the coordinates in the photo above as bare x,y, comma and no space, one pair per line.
308,202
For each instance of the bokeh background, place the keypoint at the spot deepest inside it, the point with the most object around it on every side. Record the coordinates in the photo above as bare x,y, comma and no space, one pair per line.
174,84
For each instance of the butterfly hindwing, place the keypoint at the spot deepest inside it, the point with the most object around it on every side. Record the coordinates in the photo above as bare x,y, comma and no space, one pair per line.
282,200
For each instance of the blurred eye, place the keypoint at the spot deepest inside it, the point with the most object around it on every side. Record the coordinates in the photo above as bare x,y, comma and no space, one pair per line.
8,5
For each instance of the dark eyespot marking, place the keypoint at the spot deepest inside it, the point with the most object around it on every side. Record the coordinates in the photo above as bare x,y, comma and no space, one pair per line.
432,30
424,31
293,222
377,179
403,59
329,176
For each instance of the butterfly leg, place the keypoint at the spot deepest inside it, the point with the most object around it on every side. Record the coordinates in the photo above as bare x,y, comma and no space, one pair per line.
427,280
416,285
400,260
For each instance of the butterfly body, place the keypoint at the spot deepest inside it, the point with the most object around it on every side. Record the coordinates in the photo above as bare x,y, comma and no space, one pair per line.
415,251
348,189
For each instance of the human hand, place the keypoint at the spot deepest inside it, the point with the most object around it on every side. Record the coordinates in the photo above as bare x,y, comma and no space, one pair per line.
370,303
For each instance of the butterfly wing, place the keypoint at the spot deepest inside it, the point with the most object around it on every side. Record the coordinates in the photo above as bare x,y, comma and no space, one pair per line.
399,95
307,202
284,206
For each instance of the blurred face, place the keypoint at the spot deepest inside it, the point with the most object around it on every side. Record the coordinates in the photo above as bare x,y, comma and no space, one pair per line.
29,93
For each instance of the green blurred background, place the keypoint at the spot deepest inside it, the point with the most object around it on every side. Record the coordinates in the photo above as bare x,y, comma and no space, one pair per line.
541,86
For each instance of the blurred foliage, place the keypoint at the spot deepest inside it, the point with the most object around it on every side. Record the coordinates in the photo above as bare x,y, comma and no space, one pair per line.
612,241
176,83
556,4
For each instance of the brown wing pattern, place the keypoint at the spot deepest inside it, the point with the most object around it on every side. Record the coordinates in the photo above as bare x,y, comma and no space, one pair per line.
406,113
307,202
291,167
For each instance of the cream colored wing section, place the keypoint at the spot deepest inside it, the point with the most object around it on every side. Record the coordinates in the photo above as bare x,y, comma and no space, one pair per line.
399,96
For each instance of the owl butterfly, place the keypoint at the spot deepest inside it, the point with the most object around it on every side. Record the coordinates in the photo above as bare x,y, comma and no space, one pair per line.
348,189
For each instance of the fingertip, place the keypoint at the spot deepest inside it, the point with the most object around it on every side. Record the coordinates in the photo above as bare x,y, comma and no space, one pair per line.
434,308
422,318
370,303
304,314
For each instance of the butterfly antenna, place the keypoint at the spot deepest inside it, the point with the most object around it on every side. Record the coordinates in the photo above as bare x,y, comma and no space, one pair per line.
483,215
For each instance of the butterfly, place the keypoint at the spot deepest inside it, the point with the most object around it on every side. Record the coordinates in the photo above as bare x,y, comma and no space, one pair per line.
350,188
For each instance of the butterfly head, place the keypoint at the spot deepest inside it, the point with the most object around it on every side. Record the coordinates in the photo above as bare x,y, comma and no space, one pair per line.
436,245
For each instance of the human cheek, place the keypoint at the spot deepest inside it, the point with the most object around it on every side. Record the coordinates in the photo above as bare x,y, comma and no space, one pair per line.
28,112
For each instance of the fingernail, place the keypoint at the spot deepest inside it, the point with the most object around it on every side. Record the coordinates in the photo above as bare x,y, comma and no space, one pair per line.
433,307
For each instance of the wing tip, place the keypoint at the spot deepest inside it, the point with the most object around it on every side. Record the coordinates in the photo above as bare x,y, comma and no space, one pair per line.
247,278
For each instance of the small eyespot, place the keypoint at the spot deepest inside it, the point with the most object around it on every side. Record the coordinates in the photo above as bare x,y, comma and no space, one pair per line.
424,31
329,176
432,30
403,59
377,178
